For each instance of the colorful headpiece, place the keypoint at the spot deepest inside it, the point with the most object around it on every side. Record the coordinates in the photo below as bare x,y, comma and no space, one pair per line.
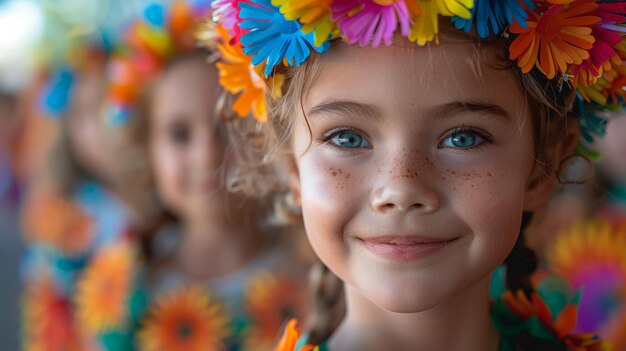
581,43
149,44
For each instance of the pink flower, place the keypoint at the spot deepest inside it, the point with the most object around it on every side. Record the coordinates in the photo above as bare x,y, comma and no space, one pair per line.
371,21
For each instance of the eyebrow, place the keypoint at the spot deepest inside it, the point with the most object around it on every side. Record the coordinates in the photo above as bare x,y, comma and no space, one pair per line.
349,108
345,107
452,108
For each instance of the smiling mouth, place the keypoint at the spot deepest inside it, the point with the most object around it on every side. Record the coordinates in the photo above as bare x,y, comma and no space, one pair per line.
404,248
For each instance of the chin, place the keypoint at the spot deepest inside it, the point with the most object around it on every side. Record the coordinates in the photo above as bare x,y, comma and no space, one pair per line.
404,304
406,298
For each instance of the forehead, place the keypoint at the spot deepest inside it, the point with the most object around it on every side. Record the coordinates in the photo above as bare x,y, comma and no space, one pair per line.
404,76
187,84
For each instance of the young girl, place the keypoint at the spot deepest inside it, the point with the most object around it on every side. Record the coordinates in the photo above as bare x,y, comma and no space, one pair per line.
215,276
418,167
81,203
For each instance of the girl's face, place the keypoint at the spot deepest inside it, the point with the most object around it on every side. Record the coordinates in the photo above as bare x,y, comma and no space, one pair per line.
186,144
413,172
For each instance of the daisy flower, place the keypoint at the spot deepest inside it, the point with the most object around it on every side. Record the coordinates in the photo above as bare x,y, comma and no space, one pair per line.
315,17
240,77
372,21
185,320
226,13
592,255
555,39
272,38
496,14
104,288
606,52
426,26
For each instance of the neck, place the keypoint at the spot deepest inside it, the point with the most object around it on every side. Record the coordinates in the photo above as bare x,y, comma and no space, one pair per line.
459,324
215,245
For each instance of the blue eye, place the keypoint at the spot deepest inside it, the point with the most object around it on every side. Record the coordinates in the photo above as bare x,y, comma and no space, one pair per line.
463,139
350,140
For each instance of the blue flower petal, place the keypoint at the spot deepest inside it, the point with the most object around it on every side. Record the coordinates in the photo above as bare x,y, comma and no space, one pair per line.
496,14
272,38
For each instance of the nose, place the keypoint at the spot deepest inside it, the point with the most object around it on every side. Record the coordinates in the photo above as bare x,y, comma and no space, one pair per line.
404,195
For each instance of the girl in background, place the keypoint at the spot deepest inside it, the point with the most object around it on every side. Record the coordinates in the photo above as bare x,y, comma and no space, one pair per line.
85,200
215,275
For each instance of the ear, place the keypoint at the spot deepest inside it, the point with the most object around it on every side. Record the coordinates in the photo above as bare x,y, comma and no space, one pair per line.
293,177
544,176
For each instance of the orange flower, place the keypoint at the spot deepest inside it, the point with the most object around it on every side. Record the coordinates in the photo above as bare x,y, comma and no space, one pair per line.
524,309
103,289
270,301
290,337
52,220
186,320
555,39
48,324
239,77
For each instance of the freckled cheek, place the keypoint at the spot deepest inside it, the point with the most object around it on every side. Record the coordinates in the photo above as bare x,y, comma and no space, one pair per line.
331,197
491,204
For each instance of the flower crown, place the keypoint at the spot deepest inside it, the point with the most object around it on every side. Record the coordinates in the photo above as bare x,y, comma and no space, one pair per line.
150,42
580,43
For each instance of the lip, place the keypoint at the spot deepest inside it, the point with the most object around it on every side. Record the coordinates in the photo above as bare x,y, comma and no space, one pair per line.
404,248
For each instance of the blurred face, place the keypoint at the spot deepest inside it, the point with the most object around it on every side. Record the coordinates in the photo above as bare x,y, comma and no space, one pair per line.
96,145
612,146
414,173
186,144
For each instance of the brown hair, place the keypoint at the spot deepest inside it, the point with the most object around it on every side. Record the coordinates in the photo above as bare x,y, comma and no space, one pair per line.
549,104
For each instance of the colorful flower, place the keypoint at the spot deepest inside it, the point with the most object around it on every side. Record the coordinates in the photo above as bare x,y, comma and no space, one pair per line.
58,222
289,341
240,77
270,300
185,320
272,38
592,255
549,315
426,26
104,288
555,39
604,55
48,322
315,17
495,13
372,21
226,13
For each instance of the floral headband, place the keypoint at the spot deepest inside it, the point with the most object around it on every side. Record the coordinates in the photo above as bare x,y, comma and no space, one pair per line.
149,44
581,43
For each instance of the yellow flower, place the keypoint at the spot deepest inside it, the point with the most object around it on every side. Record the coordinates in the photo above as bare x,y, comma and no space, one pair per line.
426,26
103,289
315,16
587,245
185,320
